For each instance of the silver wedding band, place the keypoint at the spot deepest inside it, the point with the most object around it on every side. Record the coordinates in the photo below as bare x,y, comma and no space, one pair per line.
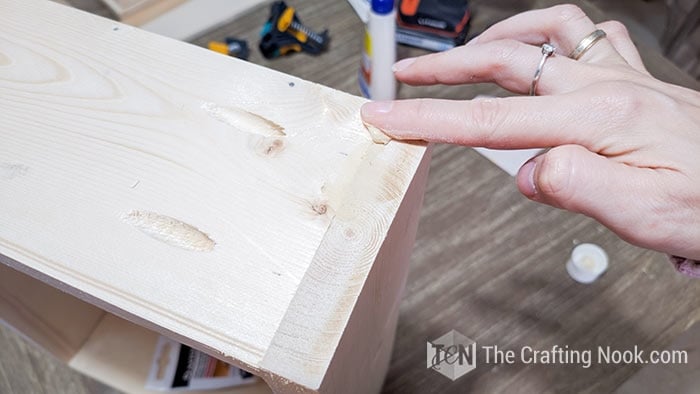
586,44
547,51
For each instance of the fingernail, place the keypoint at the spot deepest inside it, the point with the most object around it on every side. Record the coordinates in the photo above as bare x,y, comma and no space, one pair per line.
377,107
526,179
403,64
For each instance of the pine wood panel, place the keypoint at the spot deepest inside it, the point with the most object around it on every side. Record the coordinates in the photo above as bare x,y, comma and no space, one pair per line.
52,319
472,269
139,11
197,194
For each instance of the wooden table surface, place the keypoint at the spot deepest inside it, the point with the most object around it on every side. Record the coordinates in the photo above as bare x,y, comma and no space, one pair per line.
487,262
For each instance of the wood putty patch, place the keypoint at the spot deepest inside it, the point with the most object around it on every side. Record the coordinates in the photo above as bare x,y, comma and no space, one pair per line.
244,120
170,231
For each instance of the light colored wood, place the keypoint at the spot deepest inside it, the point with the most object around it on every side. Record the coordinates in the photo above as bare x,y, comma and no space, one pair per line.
151,11
140,11
195,17
45,315
362,357
234,208
119,353
488,262
307,339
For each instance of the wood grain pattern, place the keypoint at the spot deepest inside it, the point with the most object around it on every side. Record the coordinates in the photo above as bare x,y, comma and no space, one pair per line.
362,356
174,191
341,276
487,262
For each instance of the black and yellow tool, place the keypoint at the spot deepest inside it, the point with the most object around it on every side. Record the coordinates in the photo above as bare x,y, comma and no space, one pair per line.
284,33
232,47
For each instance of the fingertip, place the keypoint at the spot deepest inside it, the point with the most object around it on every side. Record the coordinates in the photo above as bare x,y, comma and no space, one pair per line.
526,179
374,110
403,64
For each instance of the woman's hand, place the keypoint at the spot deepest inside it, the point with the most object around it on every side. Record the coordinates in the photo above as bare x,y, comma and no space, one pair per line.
625,147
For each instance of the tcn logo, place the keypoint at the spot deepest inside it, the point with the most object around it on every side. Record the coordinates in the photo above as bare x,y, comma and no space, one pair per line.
453,355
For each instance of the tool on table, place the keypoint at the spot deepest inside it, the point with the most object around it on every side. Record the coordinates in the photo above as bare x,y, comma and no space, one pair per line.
284,34
435,25
232,47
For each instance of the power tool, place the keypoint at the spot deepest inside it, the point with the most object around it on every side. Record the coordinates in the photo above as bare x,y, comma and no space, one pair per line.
283,33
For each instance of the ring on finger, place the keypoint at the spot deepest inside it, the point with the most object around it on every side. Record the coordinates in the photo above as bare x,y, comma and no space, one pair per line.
586,43
547,51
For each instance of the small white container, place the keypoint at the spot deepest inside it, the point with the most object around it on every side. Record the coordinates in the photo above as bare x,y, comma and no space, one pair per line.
587,263
376,77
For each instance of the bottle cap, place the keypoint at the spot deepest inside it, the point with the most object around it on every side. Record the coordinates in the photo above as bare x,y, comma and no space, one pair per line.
382,6
587,263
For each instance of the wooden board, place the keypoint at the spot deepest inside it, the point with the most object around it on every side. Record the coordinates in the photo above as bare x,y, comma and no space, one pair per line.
487,262
140,11
194,17
151,11
50,318
203,196
119,353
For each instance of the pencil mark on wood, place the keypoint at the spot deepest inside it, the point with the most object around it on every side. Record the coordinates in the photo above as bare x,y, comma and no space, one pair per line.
10,171
170,231
244,120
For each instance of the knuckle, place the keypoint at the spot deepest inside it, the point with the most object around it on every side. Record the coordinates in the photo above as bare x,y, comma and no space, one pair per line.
620,102
554,176
570,12
502,52
615,28
486,116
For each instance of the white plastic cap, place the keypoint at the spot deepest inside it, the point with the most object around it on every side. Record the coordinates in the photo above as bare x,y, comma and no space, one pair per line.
587,263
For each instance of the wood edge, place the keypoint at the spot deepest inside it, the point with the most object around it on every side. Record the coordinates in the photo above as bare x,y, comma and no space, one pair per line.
296,361
128,316
148,12
362,357
160,24
119,354
54,344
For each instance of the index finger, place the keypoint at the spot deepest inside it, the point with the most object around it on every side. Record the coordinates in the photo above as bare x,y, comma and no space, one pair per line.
497,123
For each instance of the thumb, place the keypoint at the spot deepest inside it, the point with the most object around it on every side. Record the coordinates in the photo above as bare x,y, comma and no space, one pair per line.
573,178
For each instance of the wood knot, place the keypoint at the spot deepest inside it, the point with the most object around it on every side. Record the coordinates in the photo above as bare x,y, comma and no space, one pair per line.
320,208
349,233
271,147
